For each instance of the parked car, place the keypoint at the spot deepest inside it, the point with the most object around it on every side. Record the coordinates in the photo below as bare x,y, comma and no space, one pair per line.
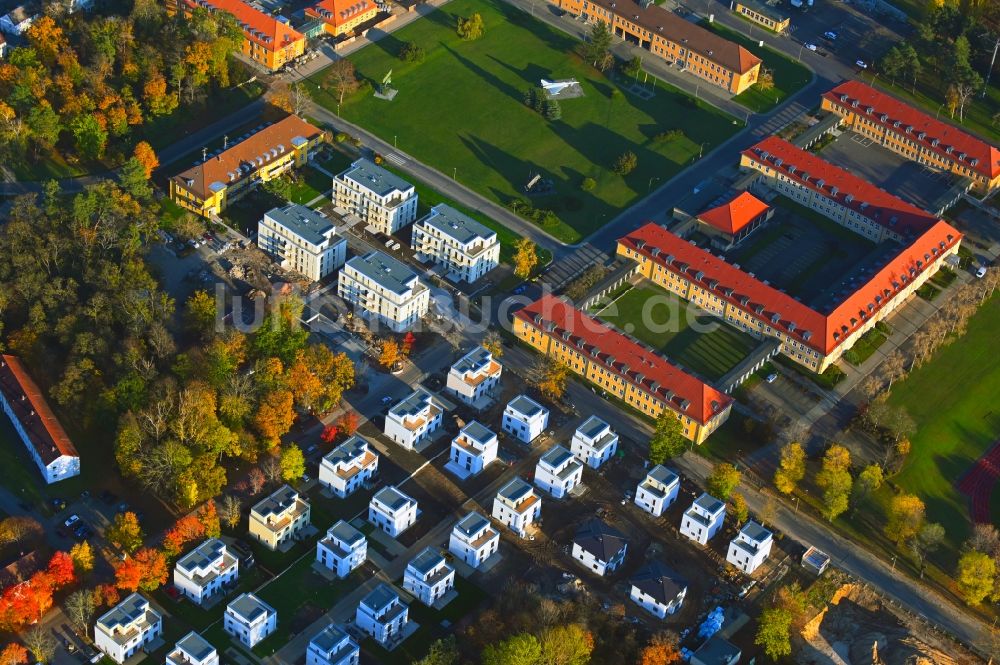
772,377
82,532
861,64
811,47
242,552
71,521
831,35
981,272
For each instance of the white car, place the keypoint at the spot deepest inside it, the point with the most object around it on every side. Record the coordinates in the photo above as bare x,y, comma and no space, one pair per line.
771,378
811,47
861,64
981,272
71,520
829,34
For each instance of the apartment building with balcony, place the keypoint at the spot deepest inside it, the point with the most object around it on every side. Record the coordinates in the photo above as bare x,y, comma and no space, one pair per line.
342,549
205,571
517,506
558,472
302,240
348,466
384,291
127,627
465,249
392,511
474,540
474,378
249,619
384,201
193,649
472,450
429,577
279,518
414,419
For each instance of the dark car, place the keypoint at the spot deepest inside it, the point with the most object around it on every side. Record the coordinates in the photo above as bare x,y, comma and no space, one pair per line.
82,532
58,504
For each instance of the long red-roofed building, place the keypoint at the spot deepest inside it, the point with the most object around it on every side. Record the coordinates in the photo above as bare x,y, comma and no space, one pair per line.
622,366
809,337
914,134
36,424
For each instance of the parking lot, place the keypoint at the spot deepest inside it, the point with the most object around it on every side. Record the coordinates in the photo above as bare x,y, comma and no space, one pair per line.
860,36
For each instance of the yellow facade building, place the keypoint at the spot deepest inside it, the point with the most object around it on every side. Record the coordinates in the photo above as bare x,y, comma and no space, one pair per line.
342,17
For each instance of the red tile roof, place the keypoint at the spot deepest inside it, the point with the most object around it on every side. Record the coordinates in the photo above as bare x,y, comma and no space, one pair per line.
780,310
338,12
626,357
986,156
847,189
32,411
250,154
257,26
732,216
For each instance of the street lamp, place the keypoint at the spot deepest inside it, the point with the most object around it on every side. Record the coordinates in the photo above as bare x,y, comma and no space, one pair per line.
701,149
649,186
894,562
393,140
454,173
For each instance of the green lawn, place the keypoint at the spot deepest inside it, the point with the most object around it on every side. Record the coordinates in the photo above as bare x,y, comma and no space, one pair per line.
20,474
309,184
865,347
789,75
669,325
471,93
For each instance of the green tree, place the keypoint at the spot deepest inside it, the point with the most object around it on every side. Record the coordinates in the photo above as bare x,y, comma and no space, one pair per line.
668,438
201,313
412,52
132,178
44,124
471,28
975,576
293,463
868,481
905,517
893,63
723,480
280,187
625,163
791,469
280,334
525,257
125,532
442,652
632,68
834,478
597,48
927,540
738,508
588,184
523,649
91,138
774,633
566,645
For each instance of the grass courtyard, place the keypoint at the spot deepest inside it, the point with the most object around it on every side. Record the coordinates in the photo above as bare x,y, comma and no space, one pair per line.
685,335
472,93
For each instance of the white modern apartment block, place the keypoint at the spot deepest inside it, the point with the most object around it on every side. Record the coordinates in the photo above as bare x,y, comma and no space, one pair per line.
414,419
598,547
657,490
127,627
301,239
703,519
250,619
750,547
429,577
205,570
524,418
383,200
332,646
517,506
658,589
348,466
474,540
193,649
466,249
474,449
594,442
382,615
343,549
384,290
558,472
392,511
279,518
474,378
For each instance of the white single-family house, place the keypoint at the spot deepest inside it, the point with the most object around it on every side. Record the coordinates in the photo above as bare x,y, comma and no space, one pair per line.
658,589
343,549
429,577
517,506
348,466
598,547
474,378
332,646
472,450
414,419
558,472
392,511
657,490
594,442
249,619
382,615
750,547
524,418
703,519
193,649
279,518
127,627
205,570
474,540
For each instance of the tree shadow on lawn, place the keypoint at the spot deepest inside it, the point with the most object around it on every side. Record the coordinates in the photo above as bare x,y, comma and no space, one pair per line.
532,74
387,42
489,77
551,37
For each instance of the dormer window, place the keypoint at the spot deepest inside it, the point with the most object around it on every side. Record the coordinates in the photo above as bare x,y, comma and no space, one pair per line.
935,142
854,104
775,317
883,117
843,98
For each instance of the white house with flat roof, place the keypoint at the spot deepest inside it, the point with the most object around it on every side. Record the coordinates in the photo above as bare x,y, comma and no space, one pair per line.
348,466
301,239
716,651
332,646
517,506
750,547
384,291
657,490
193,649
414,419
392,511
474,449
205,571
558,472
249,619
343,549
658,589
127,627
382,615
598,547
383,200
279,518
474,540
594,442
429,577
703,519
474,378
463,247
524,418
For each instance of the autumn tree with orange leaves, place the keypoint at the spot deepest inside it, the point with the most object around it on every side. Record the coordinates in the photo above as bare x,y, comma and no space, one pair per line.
14,654
660,651
144,153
